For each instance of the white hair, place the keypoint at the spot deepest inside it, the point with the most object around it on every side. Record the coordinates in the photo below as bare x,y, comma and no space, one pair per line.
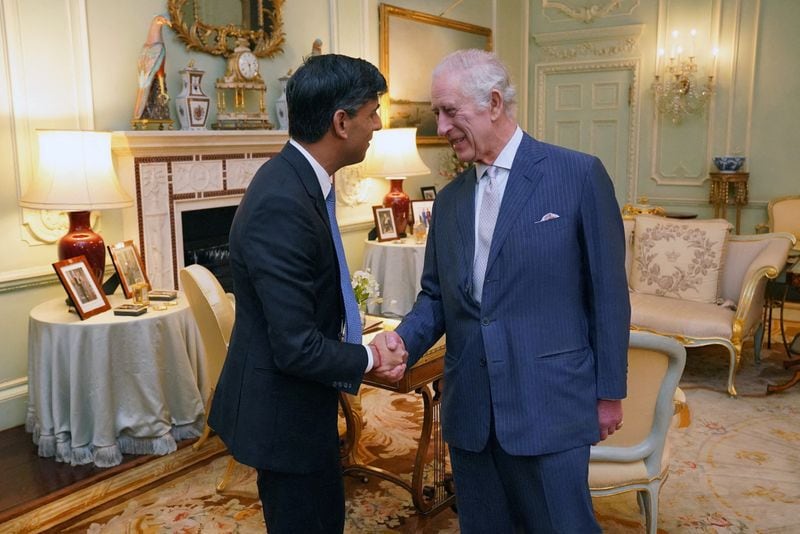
486,73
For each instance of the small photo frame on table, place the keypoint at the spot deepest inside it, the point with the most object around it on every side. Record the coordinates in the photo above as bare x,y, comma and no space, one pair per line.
129,266
82,287
384,223
421,211
428,192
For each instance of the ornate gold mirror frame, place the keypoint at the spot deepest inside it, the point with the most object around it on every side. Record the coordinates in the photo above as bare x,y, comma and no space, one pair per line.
411,44
261,24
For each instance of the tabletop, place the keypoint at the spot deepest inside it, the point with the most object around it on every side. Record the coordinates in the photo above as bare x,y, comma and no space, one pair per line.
397,267
113,384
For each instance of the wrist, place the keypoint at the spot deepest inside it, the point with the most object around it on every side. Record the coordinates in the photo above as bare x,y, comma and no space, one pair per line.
376,356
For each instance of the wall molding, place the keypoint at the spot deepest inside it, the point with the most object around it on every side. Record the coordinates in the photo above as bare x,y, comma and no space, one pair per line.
599,42
633,65
589,13
16,388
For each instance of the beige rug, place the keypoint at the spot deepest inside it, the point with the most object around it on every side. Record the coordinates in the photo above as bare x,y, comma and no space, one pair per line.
735,469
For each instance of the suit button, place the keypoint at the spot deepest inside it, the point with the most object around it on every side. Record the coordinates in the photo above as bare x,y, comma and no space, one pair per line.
483,362
485,321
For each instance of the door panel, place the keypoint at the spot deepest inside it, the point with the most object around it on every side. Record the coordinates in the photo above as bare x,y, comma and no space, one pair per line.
589,111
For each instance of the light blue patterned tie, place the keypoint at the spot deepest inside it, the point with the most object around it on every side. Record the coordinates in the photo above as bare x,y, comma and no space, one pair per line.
352,320
490,206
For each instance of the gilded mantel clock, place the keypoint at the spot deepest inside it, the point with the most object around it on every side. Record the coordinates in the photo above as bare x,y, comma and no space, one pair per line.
244,84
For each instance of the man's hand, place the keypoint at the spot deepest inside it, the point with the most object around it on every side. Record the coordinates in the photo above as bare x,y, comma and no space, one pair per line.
609,415
390,356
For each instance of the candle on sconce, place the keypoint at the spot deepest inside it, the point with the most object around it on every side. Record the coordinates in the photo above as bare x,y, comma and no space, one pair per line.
674,44
680,51
659,60
692,35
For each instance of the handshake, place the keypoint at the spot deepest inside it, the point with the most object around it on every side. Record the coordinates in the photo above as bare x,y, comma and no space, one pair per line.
389,356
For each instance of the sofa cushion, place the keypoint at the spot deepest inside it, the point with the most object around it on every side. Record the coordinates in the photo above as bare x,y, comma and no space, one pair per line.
682,317
675,259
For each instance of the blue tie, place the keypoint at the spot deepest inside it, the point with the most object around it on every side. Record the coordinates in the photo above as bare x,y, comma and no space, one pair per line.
352,320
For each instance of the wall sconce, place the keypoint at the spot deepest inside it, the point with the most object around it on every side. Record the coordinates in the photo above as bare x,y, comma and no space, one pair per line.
677,91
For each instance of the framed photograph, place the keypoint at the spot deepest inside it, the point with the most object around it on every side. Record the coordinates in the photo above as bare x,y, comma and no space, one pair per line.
411,44
428,192
384,223
129,266
82,287
421,211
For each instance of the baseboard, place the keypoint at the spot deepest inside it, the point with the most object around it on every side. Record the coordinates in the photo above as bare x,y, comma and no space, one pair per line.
50,512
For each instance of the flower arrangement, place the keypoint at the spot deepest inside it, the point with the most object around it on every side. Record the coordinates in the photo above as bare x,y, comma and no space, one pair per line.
450,166
365,287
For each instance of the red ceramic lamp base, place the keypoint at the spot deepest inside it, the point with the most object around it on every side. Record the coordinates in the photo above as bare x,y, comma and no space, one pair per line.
81,239
398,200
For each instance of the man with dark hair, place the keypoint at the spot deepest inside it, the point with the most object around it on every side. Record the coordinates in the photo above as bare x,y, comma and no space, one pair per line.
296,341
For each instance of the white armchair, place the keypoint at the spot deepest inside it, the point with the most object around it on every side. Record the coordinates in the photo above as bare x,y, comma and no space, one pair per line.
636,457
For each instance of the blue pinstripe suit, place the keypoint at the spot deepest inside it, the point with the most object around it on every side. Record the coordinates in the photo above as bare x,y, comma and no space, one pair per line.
550,336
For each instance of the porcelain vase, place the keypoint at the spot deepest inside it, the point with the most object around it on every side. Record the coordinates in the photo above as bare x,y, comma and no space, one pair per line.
192,103
281,108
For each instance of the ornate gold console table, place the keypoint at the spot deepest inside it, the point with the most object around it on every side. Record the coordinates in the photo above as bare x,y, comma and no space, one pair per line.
719,194
424,378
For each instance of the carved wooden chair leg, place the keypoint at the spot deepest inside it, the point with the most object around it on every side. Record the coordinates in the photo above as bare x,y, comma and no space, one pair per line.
206,428
226,476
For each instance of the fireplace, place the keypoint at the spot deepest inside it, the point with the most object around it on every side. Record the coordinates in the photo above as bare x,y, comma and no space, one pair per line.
205,241
179,178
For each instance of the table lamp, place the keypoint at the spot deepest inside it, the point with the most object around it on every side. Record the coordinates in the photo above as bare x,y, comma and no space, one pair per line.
393,155
75,174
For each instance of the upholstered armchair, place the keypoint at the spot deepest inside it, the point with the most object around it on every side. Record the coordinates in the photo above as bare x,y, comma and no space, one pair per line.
214,313
783,215
672,304
636,457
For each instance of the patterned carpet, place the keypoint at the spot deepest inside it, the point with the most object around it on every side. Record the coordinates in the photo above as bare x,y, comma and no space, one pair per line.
735,469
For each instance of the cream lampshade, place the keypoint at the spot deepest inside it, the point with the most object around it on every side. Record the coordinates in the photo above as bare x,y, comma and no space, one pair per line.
76,174
393,155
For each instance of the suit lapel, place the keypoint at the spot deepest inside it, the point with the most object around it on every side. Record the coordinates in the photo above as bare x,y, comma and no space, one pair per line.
308,179
465,218
522,181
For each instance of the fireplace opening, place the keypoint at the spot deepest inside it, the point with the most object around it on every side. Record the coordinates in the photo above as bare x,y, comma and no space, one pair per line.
205,241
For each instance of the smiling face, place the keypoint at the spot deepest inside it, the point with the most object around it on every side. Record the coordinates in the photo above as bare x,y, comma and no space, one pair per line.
471,130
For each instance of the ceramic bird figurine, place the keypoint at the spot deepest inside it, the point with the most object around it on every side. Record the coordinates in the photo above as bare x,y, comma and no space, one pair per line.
152,98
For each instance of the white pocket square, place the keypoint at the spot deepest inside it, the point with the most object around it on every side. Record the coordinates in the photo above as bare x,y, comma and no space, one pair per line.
548,217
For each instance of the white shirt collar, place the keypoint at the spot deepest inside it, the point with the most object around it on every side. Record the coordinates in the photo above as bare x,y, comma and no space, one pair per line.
325,180
506,156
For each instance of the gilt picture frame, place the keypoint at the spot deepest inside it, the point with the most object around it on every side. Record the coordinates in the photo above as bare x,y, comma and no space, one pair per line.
81,286
384,223
413,43
129,266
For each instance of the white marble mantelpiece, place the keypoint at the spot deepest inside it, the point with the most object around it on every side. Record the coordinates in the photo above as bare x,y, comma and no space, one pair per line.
168,172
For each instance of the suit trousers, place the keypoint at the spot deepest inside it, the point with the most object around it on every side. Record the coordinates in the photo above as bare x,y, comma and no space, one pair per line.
501,493
308,503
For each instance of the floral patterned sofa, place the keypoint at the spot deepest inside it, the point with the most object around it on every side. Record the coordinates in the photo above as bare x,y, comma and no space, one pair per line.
693,281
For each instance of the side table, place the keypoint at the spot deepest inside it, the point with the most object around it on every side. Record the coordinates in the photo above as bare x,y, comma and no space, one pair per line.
719,194
424,379
792,280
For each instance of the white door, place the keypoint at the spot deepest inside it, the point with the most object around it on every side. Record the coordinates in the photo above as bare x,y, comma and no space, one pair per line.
590,112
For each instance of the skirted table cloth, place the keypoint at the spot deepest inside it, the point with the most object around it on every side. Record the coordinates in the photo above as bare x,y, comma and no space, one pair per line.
113,385
397,267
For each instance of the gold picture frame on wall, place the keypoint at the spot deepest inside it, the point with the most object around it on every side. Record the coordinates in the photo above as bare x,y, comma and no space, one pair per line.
411,44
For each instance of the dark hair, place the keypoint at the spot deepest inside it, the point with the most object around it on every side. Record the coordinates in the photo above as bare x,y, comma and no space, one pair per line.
324,84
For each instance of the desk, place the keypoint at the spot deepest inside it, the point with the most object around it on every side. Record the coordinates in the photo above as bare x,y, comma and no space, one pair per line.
792,280
113,384
429,370
397,267
719,193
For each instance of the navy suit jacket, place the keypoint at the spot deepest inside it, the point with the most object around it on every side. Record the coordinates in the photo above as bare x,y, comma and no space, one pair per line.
550,336
276,402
